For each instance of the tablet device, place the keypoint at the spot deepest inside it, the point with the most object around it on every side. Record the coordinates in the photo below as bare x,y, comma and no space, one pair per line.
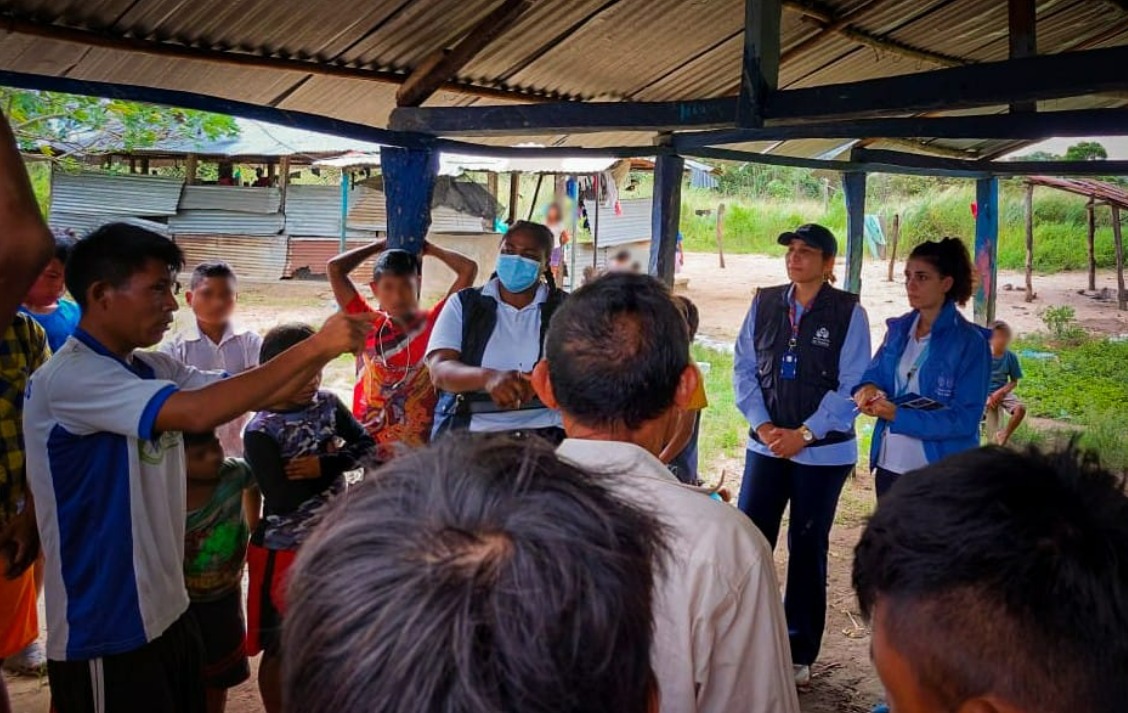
917,402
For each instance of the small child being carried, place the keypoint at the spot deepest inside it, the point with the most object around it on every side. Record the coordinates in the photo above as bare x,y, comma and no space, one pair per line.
223,506
299,452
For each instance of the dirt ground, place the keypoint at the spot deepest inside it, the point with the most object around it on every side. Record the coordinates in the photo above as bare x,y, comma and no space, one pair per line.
843,679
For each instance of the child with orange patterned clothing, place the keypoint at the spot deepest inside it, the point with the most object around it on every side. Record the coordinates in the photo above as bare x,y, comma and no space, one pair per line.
394,398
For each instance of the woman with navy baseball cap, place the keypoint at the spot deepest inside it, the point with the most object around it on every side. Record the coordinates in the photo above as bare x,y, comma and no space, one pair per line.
801,352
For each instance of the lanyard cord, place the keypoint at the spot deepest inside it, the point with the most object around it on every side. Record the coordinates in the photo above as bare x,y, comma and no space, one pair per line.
796,320
903,387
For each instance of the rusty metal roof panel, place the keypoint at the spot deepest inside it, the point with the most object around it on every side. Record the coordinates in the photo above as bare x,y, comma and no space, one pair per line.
110,194
418,29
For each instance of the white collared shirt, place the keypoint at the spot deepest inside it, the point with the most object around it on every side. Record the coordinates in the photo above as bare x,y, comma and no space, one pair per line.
237,351
720,637
514,345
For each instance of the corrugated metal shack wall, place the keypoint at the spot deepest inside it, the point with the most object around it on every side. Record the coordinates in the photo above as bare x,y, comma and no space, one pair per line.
114,195
83,224
639,250
315,211
632,225
307,257
231,198
256,258
226,222
368,211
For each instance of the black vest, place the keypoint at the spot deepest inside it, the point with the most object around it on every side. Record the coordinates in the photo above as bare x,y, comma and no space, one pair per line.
479,318
822,332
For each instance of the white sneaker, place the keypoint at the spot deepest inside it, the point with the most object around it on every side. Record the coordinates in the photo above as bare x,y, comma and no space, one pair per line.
802,675
32,661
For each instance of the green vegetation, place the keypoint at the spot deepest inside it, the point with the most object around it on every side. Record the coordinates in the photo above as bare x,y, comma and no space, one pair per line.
724,432
929,209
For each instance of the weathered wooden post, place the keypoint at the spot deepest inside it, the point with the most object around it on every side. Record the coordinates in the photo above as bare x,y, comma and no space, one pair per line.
720,234
986,249
665,216
854,190
1092,208
1029,242
895,237
1118,240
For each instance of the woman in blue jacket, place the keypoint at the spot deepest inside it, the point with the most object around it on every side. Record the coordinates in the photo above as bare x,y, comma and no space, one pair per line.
933,352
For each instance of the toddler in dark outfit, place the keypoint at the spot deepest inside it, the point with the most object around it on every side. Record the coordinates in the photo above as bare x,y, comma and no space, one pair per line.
299,452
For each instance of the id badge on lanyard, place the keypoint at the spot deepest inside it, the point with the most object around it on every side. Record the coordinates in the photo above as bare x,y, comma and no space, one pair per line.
789,365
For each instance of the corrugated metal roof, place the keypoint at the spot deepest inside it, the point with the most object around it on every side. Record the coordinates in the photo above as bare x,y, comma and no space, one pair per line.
231,198
112,194
315,211
647,49
257,258
226,222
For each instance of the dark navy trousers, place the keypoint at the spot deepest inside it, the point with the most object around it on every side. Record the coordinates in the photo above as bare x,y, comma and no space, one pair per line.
813,491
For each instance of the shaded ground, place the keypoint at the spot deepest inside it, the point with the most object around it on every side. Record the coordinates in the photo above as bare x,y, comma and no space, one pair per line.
843,680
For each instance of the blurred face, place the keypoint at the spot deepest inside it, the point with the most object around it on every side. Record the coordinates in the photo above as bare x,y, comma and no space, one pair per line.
807,264
904,690
49,287
137,313
521,243
305,396
213,300
1000,340
397,295
552,215
925,286
204,460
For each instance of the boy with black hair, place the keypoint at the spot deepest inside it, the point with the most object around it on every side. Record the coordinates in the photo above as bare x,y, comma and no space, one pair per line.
105,462
394,397
1005,375
299,449
45,303
214,342
482,576
996,582
223,505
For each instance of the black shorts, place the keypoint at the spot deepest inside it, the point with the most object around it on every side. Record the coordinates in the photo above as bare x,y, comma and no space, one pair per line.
225,640
163,676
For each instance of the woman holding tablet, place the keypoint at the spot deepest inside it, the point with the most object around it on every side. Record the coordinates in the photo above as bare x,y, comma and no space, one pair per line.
928,382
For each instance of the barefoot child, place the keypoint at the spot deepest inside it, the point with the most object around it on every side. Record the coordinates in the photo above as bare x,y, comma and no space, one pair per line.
223,503
299,451
1005,374
214,342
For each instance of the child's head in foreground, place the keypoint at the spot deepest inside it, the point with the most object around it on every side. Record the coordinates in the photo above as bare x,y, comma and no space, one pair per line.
212,292
1001,336
278,340
395,282
482,576
203,455
998,581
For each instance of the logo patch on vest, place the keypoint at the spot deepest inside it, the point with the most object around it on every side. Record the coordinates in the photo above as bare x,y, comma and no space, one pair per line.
821,338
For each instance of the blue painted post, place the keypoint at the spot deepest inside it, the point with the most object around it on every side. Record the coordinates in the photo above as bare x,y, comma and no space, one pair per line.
854,190
986,249
665,215
344,209
409,185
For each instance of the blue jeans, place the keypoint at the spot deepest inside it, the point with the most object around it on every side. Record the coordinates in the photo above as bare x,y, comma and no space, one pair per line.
813,490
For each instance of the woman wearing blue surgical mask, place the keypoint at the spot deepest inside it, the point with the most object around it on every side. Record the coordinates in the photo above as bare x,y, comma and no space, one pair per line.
488,339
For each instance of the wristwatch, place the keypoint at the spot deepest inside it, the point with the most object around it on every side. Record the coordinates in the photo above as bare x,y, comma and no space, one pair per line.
808,434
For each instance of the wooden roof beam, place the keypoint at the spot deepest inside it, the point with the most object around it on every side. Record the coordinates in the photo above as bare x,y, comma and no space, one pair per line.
881,161
1023,40
443,66
759,75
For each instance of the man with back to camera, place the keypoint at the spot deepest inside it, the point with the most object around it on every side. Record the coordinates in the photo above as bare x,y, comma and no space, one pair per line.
997,582
105,463
617,366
